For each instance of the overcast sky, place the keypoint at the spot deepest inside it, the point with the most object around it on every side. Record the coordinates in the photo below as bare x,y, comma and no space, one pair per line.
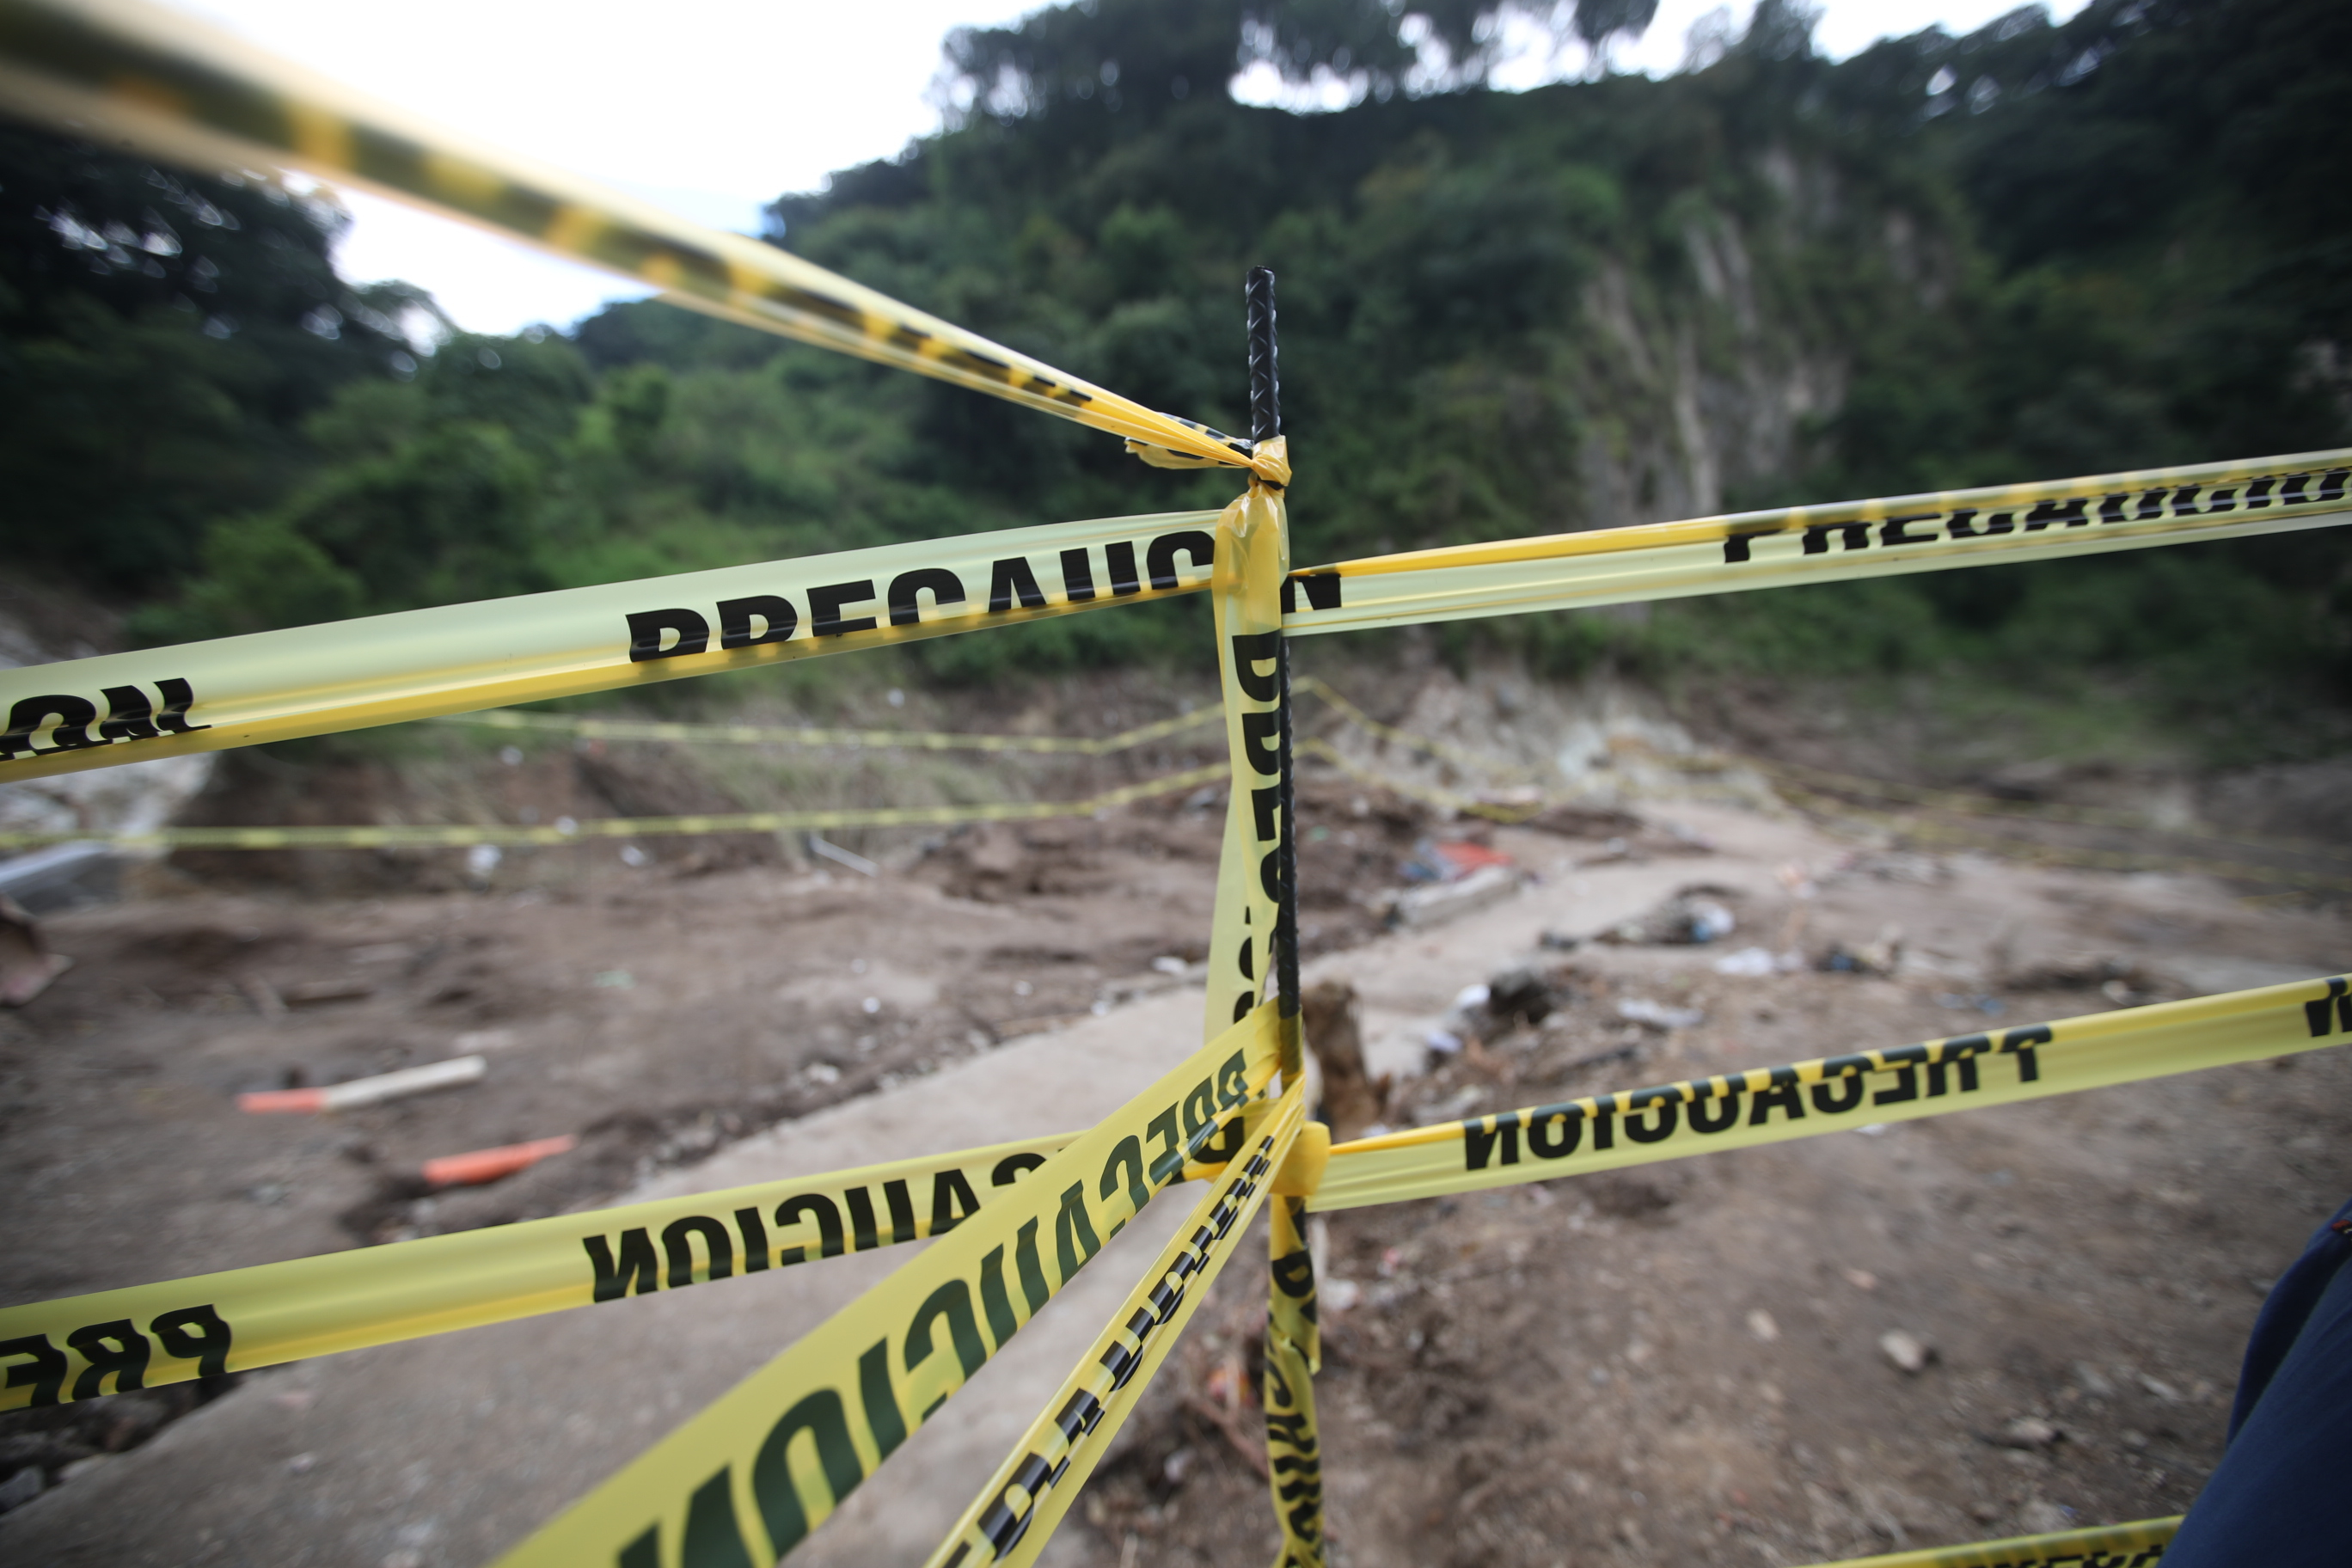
714,107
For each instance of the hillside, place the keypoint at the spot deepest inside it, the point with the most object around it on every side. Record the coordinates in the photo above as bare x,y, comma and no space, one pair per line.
2030,252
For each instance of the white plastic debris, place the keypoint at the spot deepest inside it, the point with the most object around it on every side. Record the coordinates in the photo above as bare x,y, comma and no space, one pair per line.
1907,1351
1641,1010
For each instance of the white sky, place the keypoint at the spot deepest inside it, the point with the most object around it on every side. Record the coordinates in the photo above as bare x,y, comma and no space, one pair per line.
732,102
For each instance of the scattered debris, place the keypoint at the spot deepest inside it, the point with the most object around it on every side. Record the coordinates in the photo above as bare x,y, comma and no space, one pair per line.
1760,1325
1883,957
373,1090
1433,905
27,964
1907,1352
1758,963
819,846
2026,1432
1861,1279
1585,822
310,992
21,1487
1658,1016
483,1165
1695,916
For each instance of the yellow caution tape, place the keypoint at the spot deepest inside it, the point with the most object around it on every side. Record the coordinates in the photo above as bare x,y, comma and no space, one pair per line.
565,831
770,1460
787,735
418,664
2137,1545
186,92
1948,837
146,1335
1017,1511
1252,547
1826,544
1805,1100
1294,1354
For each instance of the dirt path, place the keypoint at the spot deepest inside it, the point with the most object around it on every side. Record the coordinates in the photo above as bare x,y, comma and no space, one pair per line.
1674,1365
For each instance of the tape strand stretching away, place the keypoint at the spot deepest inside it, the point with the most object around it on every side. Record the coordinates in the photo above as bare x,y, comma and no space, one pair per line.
1017,1511
786,736
1825,543
125,70
420,664
768,1462
275,1312
427,836
2137,1545
1805,1100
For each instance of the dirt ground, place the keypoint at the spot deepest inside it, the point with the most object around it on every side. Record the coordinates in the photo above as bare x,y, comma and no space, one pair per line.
1676,1363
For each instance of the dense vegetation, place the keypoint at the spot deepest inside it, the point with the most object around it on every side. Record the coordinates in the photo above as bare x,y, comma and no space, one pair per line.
2030,252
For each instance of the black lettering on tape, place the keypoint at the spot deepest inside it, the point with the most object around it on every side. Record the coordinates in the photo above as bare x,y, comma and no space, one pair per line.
906,588
864,1231
1639,1127
1126,1155
43,1370
1554,1131
1233,1082
1735,543
1077,576
1891,532
677,1246
884,1419
1198,547
647,627
178,698
902,1210
2151,502
1995,525
2316,1014
129,716
1269,879
199,1334
1169,1164
637,1268
645,1552
2184,501
2069,513
1322,591
115,1349
1842,1085
2111,508
2020,1043
1262,740
1074,1231
1480,1140
1249,650
1604,1123
993,1299
816,1206
714,1538
1119,556
2221,500
1013,1167
952,1301
1033,1273
1816,536
1010,579
826,604
777,619
1783,1094
1714,1108
1264,803
952,1201
1199,1110
1905,1086
754,1232
821,1416
74,716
